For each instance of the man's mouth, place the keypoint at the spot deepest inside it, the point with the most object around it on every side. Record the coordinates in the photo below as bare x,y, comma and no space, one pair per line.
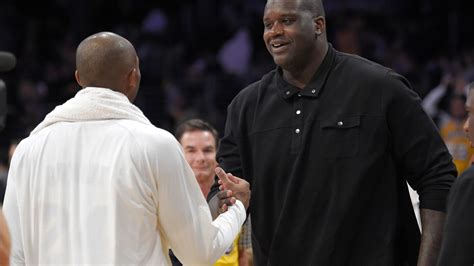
278,46
200,168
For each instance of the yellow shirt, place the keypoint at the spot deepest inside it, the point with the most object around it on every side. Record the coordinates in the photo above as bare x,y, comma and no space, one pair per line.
231,256
458,144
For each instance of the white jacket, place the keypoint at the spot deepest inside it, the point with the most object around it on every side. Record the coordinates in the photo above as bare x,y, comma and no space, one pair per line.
96,183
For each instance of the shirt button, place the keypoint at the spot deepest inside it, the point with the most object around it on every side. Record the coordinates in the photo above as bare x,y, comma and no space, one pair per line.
299,95
287,92
313,91
340,123
298,112
297,131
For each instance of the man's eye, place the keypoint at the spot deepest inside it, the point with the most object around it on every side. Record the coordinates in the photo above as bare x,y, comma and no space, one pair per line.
267,25
287,21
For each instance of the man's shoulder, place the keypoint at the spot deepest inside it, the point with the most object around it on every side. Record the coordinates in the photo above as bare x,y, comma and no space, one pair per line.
252,90
464,183
462,191
150,141
467,177
362,63
363,67
24,144
133,132
263,82
147,132
374,74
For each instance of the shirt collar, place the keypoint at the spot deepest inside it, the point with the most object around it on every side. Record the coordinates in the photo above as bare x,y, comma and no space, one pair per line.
315,86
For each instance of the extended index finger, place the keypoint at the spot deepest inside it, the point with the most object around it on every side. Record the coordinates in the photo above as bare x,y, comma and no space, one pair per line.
222,176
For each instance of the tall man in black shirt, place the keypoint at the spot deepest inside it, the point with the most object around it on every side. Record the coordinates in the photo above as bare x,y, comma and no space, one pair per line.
458,242
327,141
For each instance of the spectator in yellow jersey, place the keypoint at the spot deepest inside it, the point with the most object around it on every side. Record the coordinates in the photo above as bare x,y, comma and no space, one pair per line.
454,135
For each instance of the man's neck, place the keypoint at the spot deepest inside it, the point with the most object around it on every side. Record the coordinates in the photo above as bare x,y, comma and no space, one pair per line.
300,77
206,186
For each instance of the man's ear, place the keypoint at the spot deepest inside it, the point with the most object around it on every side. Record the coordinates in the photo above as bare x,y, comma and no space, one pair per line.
132,79
132,84
319,25
78,77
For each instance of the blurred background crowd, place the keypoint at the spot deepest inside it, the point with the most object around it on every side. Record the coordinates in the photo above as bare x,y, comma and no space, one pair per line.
196,55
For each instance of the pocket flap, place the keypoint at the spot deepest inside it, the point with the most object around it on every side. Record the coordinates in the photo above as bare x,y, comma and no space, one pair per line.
342,122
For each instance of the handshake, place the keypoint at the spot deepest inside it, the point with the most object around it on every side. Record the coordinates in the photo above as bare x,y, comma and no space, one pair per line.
231,188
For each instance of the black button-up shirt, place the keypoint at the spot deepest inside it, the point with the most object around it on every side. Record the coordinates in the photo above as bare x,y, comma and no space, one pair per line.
328,164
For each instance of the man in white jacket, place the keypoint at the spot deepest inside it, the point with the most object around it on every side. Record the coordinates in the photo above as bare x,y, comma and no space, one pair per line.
97,183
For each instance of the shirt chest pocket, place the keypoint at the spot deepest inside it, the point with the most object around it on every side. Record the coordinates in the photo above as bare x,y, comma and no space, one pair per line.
340,137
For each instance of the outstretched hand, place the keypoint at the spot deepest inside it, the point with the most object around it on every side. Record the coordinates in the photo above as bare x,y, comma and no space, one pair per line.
239,188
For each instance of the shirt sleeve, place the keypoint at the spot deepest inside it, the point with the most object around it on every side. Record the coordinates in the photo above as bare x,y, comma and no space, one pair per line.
458,240
228,154
184,219
417,147
12,215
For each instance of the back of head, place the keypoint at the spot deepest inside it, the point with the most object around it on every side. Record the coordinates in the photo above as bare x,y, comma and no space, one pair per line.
105,59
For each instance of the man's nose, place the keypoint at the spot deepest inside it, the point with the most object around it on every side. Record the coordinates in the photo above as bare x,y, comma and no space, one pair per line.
200,155
466,126
277,29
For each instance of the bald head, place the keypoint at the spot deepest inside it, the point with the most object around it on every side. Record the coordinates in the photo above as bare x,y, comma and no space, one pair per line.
315,7
107,60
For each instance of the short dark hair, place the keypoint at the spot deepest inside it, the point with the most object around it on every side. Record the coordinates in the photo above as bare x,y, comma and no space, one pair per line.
314,6
196,125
